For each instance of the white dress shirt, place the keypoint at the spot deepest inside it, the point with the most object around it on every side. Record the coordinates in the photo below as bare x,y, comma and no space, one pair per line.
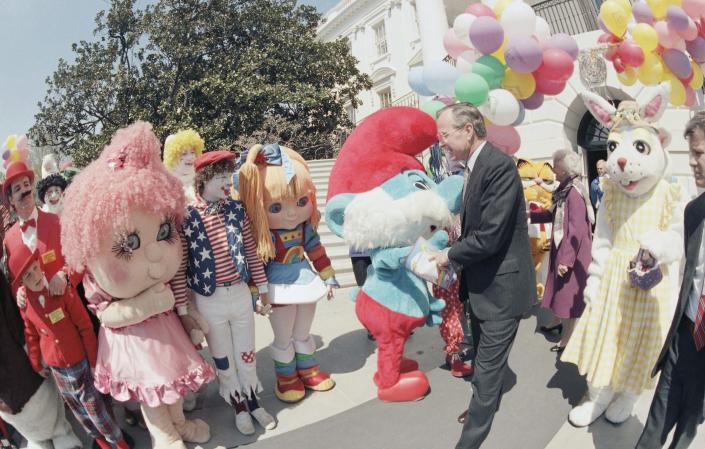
29,236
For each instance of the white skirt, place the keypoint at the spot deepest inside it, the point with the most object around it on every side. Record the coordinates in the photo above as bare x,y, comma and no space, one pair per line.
298,293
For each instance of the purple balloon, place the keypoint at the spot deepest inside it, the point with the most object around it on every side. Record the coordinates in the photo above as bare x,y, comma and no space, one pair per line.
534,101
563,42
642,13
523,55
486,34
696,48
602,25
677,18
678,62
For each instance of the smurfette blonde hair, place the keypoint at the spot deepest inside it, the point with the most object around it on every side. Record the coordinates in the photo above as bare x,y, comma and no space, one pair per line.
177,144
261,183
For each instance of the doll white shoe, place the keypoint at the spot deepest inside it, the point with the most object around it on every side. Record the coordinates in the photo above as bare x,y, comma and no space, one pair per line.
595,405
244,424
264,419
621,407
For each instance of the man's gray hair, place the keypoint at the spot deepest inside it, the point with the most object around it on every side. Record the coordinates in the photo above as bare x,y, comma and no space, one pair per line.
696,122
569,160
464,113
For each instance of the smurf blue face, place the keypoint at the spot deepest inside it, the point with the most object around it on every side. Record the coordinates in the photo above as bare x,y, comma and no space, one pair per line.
398,212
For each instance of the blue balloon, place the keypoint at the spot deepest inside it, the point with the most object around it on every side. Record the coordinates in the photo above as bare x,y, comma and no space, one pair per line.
415,78
440,77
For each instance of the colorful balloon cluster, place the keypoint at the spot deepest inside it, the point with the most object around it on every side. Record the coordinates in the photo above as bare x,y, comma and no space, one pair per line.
506,61
655,41
15,148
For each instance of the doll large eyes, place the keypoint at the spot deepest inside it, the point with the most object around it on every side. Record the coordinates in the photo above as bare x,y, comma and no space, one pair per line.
642,147
611,146
303,201
126,245
275,208
166,230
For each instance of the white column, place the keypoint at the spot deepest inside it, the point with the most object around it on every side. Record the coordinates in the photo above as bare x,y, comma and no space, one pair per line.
433,23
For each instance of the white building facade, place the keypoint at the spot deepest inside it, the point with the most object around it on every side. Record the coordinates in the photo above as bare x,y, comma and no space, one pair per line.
388,37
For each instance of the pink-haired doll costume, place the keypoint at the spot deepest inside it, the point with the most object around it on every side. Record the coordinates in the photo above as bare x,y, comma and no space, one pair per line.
126,238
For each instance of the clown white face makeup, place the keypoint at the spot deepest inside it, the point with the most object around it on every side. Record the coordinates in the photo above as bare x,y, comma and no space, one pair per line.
218,187
134,259
289,213
183,169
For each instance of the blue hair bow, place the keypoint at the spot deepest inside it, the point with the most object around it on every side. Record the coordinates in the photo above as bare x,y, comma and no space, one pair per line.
272,154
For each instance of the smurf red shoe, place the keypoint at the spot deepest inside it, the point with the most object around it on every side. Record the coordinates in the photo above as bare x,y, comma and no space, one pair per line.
411,386
315,379
405,366
289,388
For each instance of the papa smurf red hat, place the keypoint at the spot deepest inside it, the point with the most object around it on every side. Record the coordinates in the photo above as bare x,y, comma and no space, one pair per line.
15,171
211,157
382,146
19,261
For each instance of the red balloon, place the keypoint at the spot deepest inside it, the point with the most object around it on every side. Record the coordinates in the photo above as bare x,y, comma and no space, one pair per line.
630,53
611,53
608,38
687,80
479,9
618,64
557,65
549,87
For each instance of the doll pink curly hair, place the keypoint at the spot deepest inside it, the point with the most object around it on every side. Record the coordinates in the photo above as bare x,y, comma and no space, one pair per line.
128,175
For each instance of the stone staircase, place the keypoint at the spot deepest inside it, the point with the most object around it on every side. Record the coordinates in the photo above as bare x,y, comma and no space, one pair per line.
336,247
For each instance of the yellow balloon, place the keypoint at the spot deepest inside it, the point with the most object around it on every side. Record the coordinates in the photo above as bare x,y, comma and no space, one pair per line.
500,6
697,81
499,54
614,17
521,85
651,70
658,7
677,89
625,5
645,36
628,77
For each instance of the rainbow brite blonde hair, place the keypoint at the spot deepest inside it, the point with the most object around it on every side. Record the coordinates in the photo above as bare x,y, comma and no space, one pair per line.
261,183
176,144
128,175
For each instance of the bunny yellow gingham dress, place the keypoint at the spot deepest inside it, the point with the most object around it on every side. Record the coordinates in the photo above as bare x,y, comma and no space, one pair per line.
619,337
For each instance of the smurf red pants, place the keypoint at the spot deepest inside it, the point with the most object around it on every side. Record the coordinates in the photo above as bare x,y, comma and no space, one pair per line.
391,330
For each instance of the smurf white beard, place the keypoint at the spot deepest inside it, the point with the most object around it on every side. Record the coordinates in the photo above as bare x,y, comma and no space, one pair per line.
375,220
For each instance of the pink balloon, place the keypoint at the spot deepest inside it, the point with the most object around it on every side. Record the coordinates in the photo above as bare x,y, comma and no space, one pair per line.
506,138
454,46
689,97
694,8
691,32
480,9
446,100
557,65
667,36
630,53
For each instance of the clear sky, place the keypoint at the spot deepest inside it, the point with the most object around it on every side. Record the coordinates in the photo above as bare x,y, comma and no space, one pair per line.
33,36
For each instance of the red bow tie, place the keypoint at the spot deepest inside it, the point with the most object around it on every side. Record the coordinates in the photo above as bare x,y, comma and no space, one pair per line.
31,222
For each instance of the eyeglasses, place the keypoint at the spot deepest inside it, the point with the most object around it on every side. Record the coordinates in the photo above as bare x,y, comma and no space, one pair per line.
445,136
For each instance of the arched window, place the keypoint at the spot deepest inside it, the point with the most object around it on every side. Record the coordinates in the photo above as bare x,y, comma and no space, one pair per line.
591,134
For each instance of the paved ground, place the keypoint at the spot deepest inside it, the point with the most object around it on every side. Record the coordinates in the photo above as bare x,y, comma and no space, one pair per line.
539,394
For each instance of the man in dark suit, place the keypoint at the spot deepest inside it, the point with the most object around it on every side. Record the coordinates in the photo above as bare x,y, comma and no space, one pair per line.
680,395
493,255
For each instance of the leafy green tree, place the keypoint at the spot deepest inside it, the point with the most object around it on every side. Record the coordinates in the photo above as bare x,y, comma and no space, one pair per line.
228,68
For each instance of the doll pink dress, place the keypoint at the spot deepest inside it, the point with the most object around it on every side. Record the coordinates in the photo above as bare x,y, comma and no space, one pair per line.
153,362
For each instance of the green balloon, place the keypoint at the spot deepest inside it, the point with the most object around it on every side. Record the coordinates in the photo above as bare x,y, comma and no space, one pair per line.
431,107
490,69
471,88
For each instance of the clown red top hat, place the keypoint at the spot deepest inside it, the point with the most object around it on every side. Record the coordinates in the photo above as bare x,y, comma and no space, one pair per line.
381,147
19,261
212,157
16,170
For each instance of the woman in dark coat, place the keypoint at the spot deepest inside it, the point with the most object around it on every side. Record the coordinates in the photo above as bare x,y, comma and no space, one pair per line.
571,246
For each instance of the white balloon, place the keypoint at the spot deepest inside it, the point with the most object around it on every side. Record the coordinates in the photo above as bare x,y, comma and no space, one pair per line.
461,27
518,20
542,30
440,77
490,3
501,107
470,55
463,65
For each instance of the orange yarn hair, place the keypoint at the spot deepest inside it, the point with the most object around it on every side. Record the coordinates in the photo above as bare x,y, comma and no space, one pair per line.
262,184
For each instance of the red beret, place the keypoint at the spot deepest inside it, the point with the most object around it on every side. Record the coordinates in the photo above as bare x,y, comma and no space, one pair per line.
211,157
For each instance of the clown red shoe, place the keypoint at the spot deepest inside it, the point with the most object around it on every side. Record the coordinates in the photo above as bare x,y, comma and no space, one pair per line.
315,379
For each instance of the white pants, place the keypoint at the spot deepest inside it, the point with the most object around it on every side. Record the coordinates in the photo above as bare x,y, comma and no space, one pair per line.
231,338
42,420
292,331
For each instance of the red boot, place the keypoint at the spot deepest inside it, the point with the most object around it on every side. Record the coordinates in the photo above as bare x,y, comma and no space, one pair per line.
411,386
458,368
315,379
122,444
103,444
289,388
405,366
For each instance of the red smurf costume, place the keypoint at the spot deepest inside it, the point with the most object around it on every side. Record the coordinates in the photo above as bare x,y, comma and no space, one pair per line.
126,238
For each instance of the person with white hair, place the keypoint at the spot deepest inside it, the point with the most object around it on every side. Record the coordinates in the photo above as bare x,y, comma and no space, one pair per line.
571,246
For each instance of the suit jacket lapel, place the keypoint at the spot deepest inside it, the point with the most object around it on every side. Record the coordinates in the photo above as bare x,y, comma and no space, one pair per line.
474,179
693,221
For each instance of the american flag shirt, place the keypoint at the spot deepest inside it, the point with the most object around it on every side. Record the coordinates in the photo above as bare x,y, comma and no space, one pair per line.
219,249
